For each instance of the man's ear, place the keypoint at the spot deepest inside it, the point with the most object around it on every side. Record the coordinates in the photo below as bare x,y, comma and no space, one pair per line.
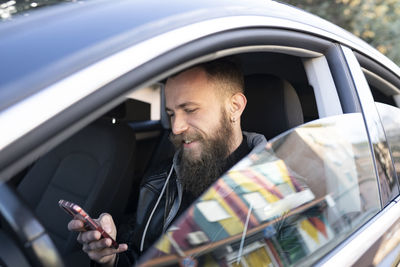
237,104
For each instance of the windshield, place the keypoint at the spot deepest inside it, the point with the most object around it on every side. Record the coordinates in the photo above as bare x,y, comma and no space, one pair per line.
287,204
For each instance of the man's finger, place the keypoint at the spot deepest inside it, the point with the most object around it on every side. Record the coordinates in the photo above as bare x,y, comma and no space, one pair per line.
110,251
76,225
122,248
90,236
79,238
101,244
99,255
107,223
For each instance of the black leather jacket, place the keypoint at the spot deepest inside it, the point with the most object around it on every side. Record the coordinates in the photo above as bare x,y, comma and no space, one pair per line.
152,217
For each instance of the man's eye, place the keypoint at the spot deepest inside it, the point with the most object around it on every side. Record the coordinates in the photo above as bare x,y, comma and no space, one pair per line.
170,115
190,110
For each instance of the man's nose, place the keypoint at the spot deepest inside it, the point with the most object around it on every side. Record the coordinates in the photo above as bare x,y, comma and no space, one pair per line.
179,124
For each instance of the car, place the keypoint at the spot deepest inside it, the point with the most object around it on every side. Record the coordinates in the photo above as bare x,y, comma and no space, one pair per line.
82,119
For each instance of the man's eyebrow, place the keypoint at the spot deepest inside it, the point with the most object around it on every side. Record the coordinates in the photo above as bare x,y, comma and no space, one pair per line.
183,105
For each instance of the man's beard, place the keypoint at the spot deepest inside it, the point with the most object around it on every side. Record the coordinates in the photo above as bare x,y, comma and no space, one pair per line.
196,175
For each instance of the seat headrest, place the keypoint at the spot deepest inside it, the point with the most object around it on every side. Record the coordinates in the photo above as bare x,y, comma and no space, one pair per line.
273,105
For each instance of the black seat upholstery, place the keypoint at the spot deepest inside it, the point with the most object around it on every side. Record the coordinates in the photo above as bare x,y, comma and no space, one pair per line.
93,168
273,105
164,149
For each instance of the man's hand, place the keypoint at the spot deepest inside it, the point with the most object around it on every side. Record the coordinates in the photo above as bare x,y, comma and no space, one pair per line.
98,249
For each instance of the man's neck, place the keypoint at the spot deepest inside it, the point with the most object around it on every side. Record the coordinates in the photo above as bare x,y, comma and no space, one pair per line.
240,152
237,139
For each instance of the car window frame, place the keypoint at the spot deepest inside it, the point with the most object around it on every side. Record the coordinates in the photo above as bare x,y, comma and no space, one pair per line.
373,123
23,151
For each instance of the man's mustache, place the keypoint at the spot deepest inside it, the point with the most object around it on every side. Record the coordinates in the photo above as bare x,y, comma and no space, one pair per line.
178,139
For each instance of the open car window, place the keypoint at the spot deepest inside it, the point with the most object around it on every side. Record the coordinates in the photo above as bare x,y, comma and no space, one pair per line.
287,204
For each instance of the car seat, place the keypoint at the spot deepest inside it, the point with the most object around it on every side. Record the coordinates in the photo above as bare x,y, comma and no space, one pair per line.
273,105
164,149
93,168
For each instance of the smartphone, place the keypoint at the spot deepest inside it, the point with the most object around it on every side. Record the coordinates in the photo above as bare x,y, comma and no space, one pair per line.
89,223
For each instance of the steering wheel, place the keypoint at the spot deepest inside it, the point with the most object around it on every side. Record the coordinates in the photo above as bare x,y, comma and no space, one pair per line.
27,231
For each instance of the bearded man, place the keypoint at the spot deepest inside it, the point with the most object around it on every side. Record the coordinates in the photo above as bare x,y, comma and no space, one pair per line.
204,104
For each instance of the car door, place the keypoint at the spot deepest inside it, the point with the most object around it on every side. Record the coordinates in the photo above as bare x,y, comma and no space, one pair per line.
377,85
315,184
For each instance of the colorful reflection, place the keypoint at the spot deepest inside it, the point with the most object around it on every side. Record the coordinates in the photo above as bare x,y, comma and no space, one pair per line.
277,208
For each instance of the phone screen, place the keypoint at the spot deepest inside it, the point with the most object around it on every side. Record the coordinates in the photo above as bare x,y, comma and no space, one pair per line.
90,224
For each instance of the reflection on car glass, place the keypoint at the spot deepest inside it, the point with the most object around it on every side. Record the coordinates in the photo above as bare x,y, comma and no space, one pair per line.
299,196
212,211
390,117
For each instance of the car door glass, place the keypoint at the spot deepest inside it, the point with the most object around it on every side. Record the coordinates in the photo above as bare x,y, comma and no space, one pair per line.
287,204
390,117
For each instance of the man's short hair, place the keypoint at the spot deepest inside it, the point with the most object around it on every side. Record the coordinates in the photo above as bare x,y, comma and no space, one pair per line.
224,71
227,73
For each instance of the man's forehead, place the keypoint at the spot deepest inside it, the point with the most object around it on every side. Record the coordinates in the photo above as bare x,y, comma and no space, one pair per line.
189,76
186,98
191,96
191,87
191,81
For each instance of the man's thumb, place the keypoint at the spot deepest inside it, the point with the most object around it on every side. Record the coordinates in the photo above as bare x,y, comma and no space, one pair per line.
107,222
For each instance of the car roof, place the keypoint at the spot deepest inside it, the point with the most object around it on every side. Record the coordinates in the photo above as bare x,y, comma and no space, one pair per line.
56,41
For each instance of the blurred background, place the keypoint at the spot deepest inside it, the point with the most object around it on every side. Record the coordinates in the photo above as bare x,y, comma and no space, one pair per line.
375,21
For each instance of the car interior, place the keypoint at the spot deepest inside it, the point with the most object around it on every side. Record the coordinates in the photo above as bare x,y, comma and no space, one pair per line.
101,166
384,86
